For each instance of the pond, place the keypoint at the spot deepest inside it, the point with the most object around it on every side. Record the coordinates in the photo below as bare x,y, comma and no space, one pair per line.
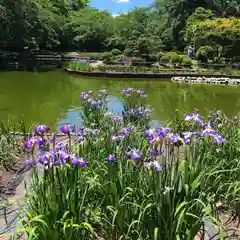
53,97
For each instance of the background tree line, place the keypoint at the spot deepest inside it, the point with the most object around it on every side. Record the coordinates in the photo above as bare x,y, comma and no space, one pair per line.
211,26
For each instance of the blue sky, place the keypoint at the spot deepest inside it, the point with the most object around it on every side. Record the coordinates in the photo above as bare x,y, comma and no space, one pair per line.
116,6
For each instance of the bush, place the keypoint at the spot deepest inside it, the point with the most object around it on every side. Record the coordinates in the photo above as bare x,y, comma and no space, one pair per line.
160,55
152,58
186,61
205,53
172,57
165,59
175,58
116,52
81,66
102,68
105,55
137,61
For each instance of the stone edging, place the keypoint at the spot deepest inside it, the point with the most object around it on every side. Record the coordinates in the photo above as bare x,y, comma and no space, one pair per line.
207,80
145,75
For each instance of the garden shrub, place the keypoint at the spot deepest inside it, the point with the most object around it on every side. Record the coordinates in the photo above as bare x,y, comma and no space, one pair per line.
137,61
205,53
102,68
105,55
160,55
165,59
116,52
152,57
81,66
175,58
172,57
186,61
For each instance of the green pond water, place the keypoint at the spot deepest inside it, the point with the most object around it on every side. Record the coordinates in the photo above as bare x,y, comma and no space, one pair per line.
53,98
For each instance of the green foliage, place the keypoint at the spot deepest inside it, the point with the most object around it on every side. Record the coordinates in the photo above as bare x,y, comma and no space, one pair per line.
81,66
160,55
186,61
205,53
116,52
175,59
165,58
152,57
130,196
171,57
222,34
163,26
102,68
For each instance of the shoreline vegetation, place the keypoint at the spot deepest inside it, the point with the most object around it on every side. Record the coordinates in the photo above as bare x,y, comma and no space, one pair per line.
186,76
117,178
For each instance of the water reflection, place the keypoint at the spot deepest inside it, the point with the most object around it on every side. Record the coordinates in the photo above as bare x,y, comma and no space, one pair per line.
53,98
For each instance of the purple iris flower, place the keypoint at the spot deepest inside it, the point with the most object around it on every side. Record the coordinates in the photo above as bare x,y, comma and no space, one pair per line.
29,144
123,91
175,138
150,132
127,91
67,129
194,117
140,111
155,140
41,142
84,96
62,156
163,131
219,139
208,131
154,152
154,165
79,139
134,154
47,158
118,138
187,136
125,131
158,132
116,117
57,163
41,129
111,158
95,132
77,162
62,145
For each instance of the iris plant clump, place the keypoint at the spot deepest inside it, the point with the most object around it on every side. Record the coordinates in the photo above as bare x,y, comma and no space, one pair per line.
117,178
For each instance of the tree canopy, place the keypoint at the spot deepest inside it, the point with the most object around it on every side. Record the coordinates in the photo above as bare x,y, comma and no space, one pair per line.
164,25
